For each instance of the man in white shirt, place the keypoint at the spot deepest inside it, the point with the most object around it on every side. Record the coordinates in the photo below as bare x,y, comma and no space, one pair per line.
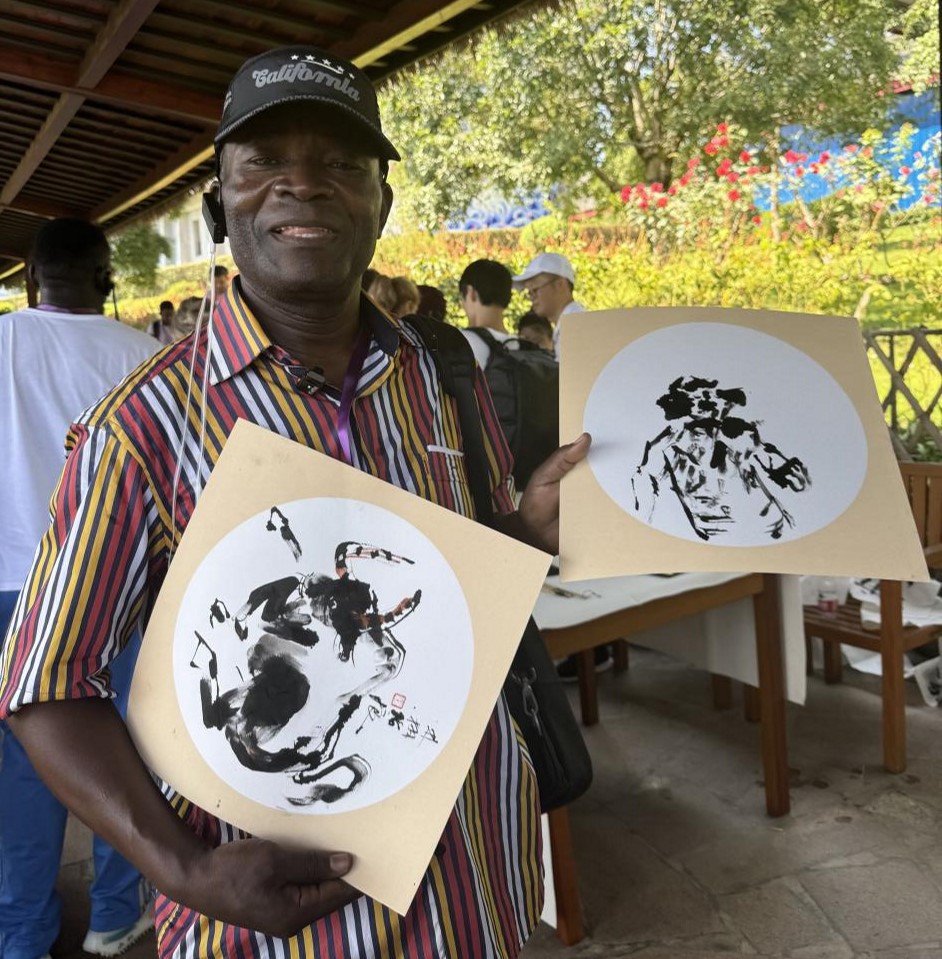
484,289
549,281
55,360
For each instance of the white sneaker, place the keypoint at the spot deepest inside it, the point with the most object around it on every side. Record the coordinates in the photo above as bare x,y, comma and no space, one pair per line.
116,941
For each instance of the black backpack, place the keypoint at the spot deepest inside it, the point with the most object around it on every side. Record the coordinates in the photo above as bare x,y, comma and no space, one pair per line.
524,385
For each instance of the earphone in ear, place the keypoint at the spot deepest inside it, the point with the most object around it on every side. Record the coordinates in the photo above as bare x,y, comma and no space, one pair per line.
213,215
104,282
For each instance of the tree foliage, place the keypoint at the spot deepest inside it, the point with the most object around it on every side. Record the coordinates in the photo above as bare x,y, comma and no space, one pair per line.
135,253
916,39
589,94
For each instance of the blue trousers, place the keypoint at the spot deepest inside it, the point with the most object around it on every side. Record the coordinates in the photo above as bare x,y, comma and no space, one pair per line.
32,831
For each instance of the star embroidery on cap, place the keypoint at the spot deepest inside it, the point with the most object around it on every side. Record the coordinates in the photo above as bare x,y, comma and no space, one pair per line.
309,57
294,56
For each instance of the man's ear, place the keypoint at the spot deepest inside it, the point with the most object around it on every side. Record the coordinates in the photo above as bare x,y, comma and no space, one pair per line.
33,274
385,208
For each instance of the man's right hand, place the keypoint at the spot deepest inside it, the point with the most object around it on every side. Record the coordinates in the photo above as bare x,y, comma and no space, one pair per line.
82,750
260,885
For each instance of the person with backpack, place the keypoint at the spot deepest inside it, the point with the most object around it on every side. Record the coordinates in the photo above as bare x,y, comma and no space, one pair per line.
522,378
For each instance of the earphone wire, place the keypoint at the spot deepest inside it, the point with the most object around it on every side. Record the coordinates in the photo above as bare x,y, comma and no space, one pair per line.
210,300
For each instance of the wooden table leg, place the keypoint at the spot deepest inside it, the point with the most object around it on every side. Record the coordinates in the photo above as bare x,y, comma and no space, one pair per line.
620,654
588,687
569,925
772,695
893,684
722,691
751,704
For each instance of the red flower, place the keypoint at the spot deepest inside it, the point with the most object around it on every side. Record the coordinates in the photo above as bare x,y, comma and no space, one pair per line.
725,166
814,168
801,227
684,180
867,152
732,177
744,156
672,190
710,148
824,157
765,169
799,171
643,203
851,148
657,187
905,170
722,141
791,156
722,128
733,195
662,201
692,162
625,194
757,219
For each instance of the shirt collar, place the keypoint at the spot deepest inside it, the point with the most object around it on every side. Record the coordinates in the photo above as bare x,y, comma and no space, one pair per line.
238,339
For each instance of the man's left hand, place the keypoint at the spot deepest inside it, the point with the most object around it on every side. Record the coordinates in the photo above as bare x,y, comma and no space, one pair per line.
536,520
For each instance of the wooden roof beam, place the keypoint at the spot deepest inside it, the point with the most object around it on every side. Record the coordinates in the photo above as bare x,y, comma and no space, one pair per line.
116,89
44,211
123,23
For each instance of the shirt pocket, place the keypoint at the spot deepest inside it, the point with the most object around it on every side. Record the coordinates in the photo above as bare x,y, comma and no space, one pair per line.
449,479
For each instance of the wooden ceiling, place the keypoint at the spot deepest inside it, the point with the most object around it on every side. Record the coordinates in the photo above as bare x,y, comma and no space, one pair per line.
108,107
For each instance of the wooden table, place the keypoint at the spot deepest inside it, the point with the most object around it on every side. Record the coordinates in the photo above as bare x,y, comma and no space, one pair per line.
582,638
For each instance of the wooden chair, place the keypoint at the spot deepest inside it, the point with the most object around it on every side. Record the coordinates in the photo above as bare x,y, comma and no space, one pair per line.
923,483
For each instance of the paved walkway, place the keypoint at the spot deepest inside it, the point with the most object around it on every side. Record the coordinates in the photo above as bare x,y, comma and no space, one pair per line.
678,860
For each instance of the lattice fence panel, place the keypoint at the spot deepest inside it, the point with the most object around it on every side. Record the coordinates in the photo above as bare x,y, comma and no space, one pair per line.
907,370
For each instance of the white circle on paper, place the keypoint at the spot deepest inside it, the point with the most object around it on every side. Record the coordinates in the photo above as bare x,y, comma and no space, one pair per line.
398,727
799,412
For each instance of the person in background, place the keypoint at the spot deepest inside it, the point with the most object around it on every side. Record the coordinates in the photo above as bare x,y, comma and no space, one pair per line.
184,320
484,290
537,329
87,353
397,295
161,329
549,280
432,302
220,280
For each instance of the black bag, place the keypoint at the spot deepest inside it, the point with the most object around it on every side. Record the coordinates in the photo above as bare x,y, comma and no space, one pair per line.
524,384
533,690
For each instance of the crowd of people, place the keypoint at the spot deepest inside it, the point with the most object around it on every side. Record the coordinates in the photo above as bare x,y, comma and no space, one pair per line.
79,577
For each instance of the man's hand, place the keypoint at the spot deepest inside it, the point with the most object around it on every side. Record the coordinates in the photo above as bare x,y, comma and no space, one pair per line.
83,751
536,520
260,885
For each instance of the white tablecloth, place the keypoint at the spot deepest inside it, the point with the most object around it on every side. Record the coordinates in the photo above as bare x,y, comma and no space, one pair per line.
720,641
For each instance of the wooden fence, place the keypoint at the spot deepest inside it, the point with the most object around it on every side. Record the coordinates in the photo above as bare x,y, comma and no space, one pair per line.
908,373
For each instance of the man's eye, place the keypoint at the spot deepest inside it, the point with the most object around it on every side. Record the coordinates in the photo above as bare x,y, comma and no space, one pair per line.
262,159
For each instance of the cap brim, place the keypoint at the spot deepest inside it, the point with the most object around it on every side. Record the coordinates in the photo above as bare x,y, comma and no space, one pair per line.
386,150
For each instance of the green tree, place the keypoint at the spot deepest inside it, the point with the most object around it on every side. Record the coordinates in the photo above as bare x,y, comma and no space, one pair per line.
591,93
916,39
135,254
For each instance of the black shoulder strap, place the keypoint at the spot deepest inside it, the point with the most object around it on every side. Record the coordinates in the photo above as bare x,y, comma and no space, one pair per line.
456,363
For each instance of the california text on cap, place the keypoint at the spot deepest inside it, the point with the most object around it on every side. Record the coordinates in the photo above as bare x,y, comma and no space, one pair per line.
291,74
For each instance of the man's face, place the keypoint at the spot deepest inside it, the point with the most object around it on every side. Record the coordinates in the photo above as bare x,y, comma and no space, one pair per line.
166,314
304,203
220,285
548,293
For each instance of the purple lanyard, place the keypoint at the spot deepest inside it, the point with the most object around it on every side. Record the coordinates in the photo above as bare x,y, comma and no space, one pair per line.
350,380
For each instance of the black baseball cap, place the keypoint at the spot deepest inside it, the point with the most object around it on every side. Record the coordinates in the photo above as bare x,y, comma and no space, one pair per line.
291,74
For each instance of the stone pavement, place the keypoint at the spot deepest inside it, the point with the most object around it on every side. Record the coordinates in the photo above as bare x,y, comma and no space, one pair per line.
677,858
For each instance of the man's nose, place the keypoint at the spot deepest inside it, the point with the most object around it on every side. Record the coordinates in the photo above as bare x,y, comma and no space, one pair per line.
306,181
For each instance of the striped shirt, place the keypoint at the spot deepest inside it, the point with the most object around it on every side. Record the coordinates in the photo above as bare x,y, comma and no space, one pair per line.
101,564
